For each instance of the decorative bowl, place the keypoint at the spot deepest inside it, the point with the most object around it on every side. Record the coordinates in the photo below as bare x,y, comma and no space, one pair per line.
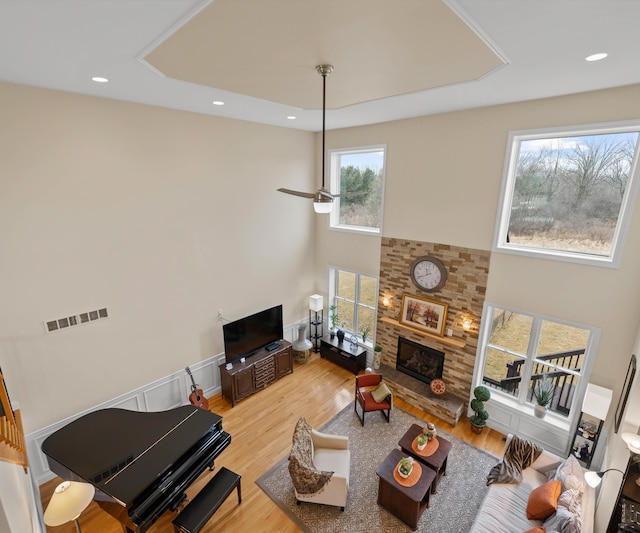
438,387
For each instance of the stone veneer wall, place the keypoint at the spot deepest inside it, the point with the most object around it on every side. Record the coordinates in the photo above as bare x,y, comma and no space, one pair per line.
464,293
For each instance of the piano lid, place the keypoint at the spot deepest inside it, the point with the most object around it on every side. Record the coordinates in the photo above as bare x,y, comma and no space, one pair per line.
122,452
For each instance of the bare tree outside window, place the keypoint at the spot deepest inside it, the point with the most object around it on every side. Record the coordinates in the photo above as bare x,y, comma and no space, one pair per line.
566,194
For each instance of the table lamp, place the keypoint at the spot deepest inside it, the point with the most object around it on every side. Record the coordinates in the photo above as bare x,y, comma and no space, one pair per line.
67,503
315,303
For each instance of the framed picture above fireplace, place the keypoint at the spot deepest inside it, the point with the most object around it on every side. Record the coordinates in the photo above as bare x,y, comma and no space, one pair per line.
423,314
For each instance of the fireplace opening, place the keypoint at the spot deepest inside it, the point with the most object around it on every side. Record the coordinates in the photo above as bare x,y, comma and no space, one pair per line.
419,361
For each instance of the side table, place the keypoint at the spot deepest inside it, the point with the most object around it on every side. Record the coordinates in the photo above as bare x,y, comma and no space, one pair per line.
437,461
407,503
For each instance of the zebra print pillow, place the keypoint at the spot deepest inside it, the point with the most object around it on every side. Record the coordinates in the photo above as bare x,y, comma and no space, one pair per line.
519,455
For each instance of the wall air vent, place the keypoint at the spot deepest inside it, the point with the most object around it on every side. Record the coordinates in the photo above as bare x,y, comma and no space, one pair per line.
75,320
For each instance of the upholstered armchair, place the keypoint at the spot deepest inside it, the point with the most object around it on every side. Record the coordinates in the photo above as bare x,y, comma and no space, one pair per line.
372,395
319,466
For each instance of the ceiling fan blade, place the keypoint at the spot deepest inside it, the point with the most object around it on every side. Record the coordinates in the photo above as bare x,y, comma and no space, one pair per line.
297,193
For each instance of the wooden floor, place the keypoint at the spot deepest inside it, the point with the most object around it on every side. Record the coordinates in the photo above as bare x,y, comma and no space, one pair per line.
261,428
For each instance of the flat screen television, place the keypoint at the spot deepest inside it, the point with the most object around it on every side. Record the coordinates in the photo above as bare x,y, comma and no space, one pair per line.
249,334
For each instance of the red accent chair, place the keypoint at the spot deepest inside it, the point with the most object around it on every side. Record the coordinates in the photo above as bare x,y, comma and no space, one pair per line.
365,383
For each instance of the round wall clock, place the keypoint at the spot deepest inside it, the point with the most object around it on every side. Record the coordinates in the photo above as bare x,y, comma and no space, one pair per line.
428,273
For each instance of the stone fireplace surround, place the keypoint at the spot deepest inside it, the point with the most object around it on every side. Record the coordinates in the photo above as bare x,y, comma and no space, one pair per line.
464,294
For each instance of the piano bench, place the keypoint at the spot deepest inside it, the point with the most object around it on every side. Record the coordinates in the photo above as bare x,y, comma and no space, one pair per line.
199,510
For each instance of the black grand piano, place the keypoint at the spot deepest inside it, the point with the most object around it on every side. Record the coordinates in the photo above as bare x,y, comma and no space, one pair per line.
139,462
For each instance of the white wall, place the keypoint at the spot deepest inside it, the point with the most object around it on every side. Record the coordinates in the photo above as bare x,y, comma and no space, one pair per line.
162,216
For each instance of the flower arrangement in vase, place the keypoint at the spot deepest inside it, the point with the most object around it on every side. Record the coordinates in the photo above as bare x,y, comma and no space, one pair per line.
405,467
422,441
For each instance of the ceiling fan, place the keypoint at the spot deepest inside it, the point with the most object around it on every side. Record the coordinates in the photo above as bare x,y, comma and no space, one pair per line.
322,198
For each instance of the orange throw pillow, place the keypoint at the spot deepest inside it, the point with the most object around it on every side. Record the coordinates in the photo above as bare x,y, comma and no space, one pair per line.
539,529
543,501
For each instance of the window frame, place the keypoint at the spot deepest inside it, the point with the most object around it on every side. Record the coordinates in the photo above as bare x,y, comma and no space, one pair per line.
519,405
334,186
500,244
333,272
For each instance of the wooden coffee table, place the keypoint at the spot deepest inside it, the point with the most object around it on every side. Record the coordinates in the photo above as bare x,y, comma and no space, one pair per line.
437,461
407,503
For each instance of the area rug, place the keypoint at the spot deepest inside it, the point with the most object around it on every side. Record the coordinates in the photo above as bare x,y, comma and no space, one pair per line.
451,510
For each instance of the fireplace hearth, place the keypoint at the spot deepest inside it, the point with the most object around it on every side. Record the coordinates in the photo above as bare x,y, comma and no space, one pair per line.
447,406
418,361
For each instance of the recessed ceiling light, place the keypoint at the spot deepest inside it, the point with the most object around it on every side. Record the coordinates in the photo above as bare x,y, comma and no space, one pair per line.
218,102
291,117
596,57
100,79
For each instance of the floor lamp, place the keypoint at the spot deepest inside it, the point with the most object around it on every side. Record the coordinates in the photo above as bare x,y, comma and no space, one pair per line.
316,320
67,503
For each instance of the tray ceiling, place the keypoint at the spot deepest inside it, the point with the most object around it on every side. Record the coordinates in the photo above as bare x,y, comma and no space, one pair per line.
272,49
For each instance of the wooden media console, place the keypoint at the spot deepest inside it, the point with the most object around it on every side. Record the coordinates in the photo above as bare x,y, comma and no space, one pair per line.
259,370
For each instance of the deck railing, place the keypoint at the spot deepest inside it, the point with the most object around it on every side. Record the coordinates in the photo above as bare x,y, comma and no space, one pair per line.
564,382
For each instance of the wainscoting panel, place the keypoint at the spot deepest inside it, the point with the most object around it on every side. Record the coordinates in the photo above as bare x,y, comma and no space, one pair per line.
207,377
547,436
131,403
497,416
165,393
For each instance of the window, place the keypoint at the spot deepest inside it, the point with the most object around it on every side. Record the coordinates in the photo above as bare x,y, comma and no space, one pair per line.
518,350
355,296
568,194
358,175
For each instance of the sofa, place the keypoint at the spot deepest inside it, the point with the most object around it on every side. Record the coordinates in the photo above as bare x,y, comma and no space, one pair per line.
506,505
319,466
